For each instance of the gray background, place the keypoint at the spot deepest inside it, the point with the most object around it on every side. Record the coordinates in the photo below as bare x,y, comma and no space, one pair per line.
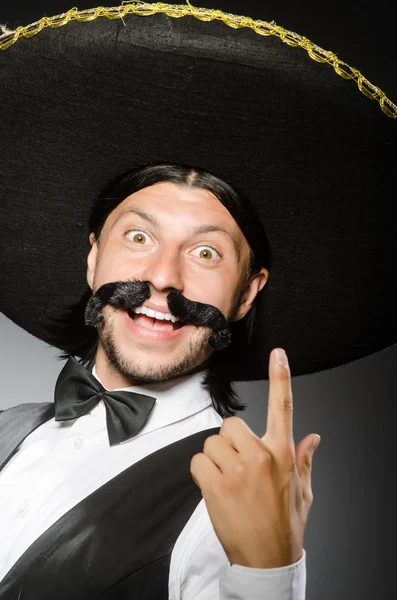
350,535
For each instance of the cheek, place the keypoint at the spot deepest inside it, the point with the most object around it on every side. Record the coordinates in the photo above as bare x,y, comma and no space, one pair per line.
217,291
114,265
109,271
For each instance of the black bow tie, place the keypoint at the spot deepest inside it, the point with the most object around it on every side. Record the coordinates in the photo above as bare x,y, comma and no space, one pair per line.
77,392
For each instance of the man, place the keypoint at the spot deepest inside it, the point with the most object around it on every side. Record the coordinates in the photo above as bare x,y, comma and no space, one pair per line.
191,251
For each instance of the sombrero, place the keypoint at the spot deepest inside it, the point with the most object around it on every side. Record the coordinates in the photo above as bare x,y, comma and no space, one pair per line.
307,138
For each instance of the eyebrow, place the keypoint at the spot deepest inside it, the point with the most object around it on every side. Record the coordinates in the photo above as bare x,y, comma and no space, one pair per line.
201,229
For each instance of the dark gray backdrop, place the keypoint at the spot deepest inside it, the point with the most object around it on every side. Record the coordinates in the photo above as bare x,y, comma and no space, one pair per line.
351,529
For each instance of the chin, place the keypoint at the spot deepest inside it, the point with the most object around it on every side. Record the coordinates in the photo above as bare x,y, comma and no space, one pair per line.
144,367
145,361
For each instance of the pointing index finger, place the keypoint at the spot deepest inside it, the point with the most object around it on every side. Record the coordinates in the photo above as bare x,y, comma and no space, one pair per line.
280,407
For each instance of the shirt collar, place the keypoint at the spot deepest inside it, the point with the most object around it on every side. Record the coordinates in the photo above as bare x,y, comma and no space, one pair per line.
176,399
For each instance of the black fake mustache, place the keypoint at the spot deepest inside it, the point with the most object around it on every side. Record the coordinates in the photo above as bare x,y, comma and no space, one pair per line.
131,294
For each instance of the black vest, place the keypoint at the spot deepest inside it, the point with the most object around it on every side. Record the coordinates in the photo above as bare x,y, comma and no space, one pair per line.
116,544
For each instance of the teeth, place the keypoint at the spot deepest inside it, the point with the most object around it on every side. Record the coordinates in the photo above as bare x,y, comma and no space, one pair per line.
155,314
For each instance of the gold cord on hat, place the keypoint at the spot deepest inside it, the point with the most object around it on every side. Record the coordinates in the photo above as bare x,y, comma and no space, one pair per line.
177,11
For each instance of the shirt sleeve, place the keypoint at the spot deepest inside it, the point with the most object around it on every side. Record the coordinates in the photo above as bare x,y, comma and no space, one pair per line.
282,583
208,575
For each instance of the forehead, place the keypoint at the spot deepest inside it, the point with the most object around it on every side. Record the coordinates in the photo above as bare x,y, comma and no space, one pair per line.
169,199
184,211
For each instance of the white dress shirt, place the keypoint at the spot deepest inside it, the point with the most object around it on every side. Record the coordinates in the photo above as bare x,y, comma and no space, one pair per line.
61,463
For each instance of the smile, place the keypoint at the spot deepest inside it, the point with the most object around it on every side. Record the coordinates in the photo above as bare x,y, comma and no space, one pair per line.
150,328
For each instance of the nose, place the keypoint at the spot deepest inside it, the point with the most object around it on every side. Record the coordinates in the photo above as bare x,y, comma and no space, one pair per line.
163,271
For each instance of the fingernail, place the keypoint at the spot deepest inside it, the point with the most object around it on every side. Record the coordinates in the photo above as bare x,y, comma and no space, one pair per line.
316,443
281,357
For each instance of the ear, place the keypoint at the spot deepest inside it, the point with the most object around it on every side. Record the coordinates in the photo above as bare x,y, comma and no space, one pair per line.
255,284
91,260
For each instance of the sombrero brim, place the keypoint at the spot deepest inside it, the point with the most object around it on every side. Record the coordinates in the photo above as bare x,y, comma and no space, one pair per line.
84,101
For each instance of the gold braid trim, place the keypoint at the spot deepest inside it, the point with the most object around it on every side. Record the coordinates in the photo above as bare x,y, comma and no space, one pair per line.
177,11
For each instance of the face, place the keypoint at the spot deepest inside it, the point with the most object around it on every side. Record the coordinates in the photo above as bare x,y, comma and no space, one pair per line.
173,237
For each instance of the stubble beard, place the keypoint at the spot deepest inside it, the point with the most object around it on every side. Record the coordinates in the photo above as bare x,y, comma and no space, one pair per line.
192,357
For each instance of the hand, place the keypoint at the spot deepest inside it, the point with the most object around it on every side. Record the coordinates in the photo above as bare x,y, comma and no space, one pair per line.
258,490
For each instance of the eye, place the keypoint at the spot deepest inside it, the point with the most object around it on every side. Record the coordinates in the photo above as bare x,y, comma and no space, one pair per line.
137,236
207,253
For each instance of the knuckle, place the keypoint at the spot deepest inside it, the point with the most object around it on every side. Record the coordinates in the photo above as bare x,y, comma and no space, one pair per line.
284,374
194,462
286,404
230,423
210,441
308,464
263,459
238,468
309,498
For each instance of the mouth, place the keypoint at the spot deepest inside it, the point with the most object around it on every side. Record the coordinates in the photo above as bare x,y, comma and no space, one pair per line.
153,324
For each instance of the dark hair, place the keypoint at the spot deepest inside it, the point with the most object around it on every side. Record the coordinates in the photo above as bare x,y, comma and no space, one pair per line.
82,341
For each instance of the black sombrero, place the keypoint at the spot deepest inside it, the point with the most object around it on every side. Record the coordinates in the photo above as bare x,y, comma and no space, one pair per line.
313,144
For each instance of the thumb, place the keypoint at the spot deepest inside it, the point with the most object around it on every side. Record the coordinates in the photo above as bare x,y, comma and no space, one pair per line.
304,457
